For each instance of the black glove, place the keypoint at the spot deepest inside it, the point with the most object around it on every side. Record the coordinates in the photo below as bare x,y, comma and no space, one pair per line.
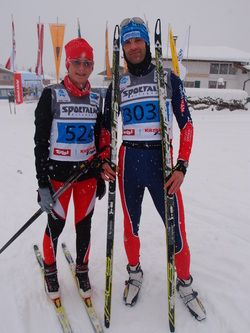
45,199
181,166
96,166
100,189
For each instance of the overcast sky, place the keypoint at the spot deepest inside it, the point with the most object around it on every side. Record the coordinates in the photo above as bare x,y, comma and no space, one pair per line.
213,22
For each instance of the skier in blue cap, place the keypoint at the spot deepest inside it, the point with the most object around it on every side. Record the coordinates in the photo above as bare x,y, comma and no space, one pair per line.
140,157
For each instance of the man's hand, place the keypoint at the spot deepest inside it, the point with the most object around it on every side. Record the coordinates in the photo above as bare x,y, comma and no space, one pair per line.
108,173
174,182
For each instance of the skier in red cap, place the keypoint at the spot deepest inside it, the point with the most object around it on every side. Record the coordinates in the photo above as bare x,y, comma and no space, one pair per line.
68,132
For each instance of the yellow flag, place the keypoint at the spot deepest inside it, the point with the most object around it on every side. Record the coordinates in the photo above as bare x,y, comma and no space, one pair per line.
125,66
107,55
174,53
57,35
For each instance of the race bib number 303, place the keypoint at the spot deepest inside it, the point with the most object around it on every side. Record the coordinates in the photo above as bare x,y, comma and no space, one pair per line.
143,112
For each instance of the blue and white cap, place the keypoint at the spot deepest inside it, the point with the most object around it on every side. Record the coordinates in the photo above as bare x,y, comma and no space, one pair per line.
133,30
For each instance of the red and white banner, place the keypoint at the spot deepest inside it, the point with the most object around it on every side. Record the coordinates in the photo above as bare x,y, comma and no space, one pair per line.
18,88
39,65
11,61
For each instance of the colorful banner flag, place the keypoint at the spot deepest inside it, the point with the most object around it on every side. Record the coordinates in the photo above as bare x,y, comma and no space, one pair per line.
18,88
11,61
107,54
183,47
174,53
40,34
183,70
57,35
78,28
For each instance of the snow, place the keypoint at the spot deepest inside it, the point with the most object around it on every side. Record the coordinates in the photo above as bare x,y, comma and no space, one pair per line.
217,53
216,197
224,94
212,53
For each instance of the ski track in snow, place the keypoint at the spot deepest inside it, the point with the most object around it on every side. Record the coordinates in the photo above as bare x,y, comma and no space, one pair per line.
216,198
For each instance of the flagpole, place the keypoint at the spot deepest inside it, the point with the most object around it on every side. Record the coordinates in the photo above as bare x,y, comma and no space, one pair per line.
168,40
13,56
188,46
107,65
13,43
188,41
105,54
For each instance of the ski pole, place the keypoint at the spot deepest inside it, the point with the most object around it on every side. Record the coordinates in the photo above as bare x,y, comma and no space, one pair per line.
21,230
167,168
112,185
84,167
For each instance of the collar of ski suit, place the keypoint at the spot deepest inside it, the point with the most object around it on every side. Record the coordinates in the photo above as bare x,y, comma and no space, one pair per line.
74,90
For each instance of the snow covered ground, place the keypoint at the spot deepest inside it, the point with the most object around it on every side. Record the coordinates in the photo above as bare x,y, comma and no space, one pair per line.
216,197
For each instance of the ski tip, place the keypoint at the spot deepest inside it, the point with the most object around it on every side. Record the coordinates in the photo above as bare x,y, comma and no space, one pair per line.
107,324
64,245
35,247
106,320
117,35
158,26
172,329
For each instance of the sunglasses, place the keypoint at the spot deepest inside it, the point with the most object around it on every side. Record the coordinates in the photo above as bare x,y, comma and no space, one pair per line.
77,63
136,20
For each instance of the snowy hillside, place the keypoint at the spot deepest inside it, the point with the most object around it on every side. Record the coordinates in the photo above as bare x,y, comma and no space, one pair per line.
216,197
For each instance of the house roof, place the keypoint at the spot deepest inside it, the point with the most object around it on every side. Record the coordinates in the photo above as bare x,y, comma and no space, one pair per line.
218,53
28,73
3,69
213,53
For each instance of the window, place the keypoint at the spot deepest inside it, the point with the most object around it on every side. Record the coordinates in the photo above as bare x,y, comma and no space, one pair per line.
221,84
189,84
224,69
4,93
197,84
6,77
217,84
231,69
212,84
214,68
